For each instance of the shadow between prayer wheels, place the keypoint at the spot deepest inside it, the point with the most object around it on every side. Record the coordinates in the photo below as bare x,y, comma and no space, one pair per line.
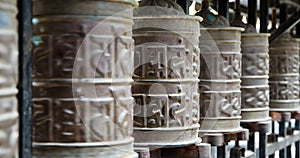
284,75
255,75
8,79
220,78
165,84
82,69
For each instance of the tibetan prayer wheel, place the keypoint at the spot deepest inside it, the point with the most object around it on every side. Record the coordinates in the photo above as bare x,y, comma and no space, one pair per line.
166,73
8,79
82,66
255,75
220,79
284,75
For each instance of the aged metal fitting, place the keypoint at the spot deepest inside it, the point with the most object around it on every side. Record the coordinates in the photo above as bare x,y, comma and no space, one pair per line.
215,139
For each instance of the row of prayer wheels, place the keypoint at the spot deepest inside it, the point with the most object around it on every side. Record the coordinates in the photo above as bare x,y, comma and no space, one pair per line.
108,72
107,75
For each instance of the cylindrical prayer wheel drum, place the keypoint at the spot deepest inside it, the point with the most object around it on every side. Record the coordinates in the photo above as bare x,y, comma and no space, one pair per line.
220,79
82,76
166,80
8,79
284,75
255,75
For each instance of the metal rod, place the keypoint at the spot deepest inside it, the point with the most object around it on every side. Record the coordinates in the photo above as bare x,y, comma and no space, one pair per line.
237,11
221,151
215,4
236,151
291,22
298,30
289,151
264,16
223,8
251,142
297,144
263,140
273,135
25,81
283,13
273,127
282,133
273,19
252,12
237,5
289,148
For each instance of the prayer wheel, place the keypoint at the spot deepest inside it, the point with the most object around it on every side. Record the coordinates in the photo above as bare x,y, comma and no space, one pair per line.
220,79
284,74
255,75
166,73
82,76
8,79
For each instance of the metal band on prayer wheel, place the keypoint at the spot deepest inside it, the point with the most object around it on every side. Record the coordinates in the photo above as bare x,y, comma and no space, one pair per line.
220,78
8,79
166,80
255,75
284,75
82,65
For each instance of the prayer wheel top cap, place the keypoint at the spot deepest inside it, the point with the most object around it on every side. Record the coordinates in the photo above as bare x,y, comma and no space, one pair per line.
165,16
163,9
132,2
158,8
100,8
249,29
255,39
210,20
287,36
256,34
223,28
213,21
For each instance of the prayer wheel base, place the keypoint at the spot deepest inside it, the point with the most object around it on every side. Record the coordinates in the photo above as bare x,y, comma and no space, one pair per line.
169,137
114,149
